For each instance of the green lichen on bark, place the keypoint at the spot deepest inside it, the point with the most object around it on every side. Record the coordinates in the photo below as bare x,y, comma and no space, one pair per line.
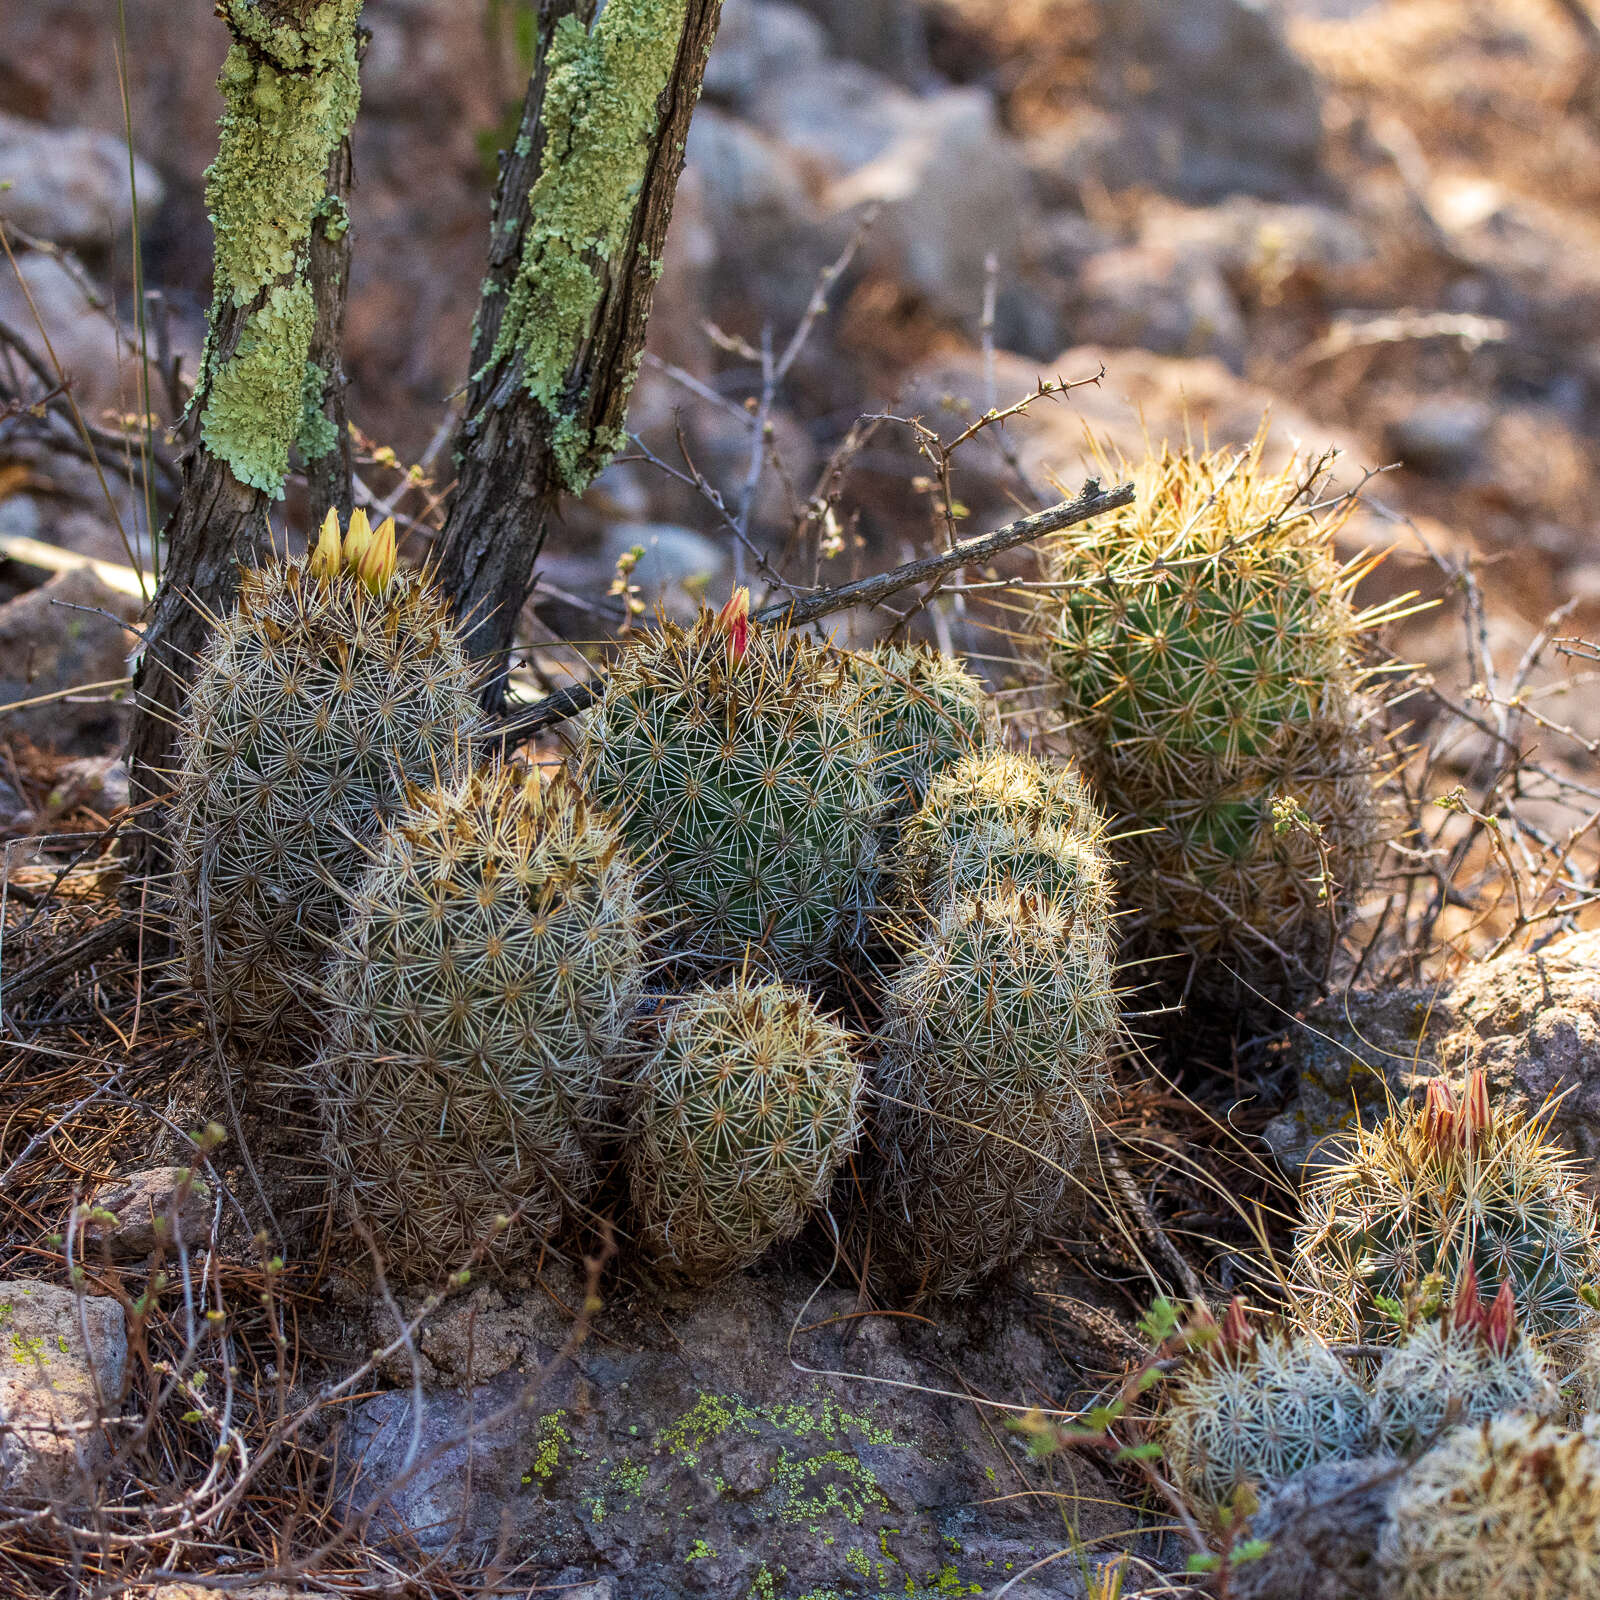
290,92
317,436
600,114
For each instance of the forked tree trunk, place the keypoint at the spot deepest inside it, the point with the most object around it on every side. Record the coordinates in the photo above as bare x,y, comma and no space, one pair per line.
581,214
289,88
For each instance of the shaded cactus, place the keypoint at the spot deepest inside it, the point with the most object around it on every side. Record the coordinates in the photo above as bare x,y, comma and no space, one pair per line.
1257,1408
1507,1507
743,1115
923,712
494,954
1435,1189
1464,1364
999,819
995,1040
335,682
1204,648
734,755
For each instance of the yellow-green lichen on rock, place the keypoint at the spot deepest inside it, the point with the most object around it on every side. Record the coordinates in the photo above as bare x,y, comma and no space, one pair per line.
600,115
290,92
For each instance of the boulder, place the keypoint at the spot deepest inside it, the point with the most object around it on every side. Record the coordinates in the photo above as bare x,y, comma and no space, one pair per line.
746,1439
1222,104
1532,1021
92,354
758,43
46,648
70,185
1153,297
55,1389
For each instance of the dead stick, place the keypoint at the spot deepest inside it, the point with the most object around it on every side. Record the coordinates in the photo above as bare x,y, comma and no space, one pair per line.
1091,501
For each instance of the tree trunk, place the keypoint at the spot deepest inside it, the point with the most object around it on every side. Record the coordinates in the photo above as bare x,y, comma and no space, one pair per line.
289,88
581,214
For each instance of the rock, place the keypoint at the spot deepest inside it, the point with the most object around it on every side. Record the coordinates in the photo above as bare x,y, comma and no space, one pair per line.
98,782
1531,1021
70,185
20,517
1441,435
682,1451
1321,1529
1153,297
253,1591
1223,105
888,35
760,42
953,186
54,1390
146,1210
46,648
85,340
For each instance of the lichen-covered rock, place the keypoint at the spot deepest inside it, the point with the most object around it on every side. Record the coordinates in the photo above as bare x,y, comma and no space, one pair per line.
1531,1021
54,1390
132,1215
684,1453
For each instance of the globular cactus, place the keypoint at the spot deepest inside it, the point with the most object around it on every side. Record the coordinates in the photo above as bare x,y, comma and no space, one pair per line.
923,712
1205,650
494,954
743,1116
997,818
1434,1189
1257,1408
996,1034
737,761
1502,1508
335,682
1464,1364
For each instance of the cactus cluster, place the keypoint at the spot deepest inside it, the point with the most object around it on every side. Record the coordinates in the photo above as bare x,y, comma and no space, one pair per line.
1438,1188
736,756
335,682
1257,1408
493,955
744,1113
1203,646
1505,1507
1466,1364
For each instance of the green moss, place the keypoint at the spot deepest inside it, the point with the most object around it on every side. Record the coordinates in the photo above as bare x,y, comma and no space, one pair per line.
289,94
600,115
256,403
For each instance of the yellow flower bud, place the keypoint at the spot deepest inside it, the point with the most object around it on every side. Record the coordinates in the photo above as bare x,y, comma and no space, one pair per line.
377,563
324,563
357,539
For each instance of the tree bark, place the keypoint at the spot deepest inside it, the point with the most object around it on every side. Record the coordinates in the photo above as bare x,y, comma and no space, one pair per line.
248,407
515,449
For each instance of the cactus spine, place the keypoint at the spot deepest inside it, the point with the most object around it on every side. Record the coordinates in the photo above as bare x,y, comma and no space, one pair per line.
995,1040
1435,1189
1204,648
1258,1408
1510,1506
736,759
923,712
335,682
493,957
743,1116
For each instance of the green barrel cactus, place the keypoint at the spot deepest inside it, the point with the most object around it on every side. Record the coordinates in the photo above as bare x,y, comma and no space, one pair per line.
1436,1189
493,957
1466,1364
1257,1408
1507,1507
743,1115
923,712
996,1035
1000,818
737,761
1204,648
335,683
